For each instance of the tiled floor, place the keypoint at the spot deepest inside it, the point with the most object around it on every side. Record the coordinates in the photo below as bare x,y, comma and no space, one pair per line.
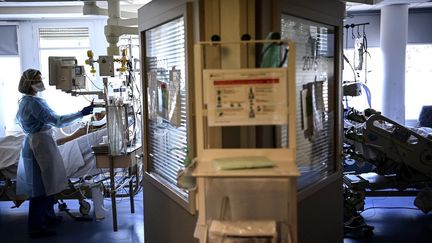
13,225
392,223
396,220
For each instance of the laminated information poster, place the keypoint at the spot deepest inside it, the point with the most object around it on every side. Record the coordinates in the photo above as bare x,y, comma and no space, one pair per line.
238,97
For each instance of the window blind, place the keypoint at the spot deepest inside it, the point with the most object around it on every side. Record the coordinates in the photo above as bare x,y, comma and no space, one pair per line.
315,139
60,38
168,142
47,33
8,40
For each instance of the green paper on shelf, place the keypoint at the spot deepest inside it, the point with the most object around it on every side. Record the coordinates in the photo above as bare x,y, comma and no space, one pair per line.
237,163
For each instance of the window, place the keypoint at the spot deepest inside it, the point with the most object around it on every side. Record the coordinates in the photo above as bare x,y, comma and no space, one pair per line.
418,83
8,40
11,66
168,88
315,82
9,95
168,140
63,41
417,80
371,76
52,38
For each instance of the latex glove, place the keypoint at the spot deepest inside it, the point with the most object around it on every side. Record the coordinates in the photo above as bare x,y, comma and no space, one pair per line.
87,110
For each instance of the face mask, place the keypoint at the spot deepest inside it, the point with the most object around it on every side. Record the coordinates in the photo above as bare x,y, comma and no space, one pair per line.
38,87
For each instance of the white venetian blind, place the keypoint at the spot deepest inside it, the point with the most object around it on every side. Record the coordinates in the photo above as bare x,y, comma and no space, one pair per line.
60,37
315,58
167,141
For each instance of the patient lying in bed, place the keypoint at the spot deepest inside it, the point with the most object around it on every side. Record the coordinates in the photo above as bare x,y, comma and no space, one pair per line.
10,148
77,154
75,150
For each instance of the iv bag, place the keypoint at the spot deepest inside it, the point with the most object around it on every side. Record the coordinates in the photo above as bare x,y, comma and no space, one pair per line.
358,53
116,129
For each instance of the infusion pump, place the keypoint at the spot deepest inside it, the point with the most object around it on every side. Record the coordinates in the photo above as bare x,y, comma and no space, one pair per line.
65,74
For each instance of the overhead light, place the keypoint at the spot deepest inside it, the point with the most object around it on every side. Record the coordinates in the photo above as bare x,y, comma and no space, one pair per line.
143,2
370,2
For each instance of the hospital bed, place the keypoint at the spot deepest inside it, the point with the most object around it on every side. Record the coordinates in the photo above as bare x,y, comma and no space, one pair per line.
400,160
80,164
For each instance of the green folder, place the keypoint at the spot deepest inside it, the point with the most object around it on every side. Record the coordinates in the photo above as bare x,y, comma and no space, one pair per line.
237,163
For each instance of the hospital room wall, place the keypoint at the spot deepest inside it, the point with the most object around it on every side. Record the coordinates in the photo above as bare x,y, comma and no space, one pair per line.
164,219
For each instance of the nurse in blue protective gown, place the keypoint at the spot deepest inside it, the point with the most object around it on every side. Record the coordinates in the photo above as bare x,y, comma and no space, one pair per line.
41,172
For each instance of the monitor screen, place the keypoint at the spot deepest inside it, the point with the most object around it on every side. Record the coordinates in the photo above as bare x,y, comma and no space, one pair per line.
54,65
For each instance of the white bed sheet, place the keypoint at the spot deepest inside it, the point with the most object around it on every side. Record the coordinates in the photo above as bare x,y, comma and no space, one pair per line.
84,144
10,148
77,154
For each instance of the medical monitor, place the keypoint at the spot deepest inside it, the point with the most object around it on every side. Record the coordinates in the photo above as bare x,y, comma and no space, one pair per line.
65,74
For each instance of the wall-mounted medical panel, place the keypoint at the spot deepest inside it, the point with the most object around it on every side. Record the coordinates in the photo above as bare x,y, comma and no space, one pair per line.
238,97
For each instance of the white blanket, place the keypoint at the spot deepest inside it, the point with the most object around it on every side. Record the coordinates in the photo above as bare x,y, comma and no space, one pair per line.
84,144
72,157
10,148
77,154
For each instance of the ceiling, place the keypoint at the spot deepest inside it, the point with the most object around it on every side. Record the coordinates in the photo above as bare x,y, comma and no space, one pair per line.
128,4
34,9
375,5
67,8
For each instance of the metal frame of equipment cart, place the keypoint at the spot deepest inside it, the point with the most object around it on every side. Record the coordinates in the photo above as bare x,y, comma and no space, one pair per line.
118,153
128,160
224,197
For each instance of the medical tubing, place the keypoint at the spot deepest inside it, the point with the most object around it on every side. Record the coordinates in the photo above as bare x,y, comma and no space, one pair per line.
352,68
87,132
346,102
94,85
365,47
68,134
116,132
82,179
84,97
114,125
368,95
125,181
121,128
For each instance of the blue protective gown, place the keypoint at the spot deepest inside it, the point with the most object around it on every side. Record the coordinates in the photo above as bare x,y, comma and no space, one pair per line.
34,116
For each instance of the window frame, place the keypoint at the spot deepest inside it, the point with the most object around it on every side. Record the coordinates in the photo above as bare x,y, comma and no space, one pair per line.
185,11
7,123
334,98
52,93
95,35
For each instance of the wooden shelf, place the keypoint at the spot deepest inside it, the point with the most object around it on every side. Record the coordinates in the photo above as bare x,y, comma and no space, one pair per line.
120,161
281,169
207,126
